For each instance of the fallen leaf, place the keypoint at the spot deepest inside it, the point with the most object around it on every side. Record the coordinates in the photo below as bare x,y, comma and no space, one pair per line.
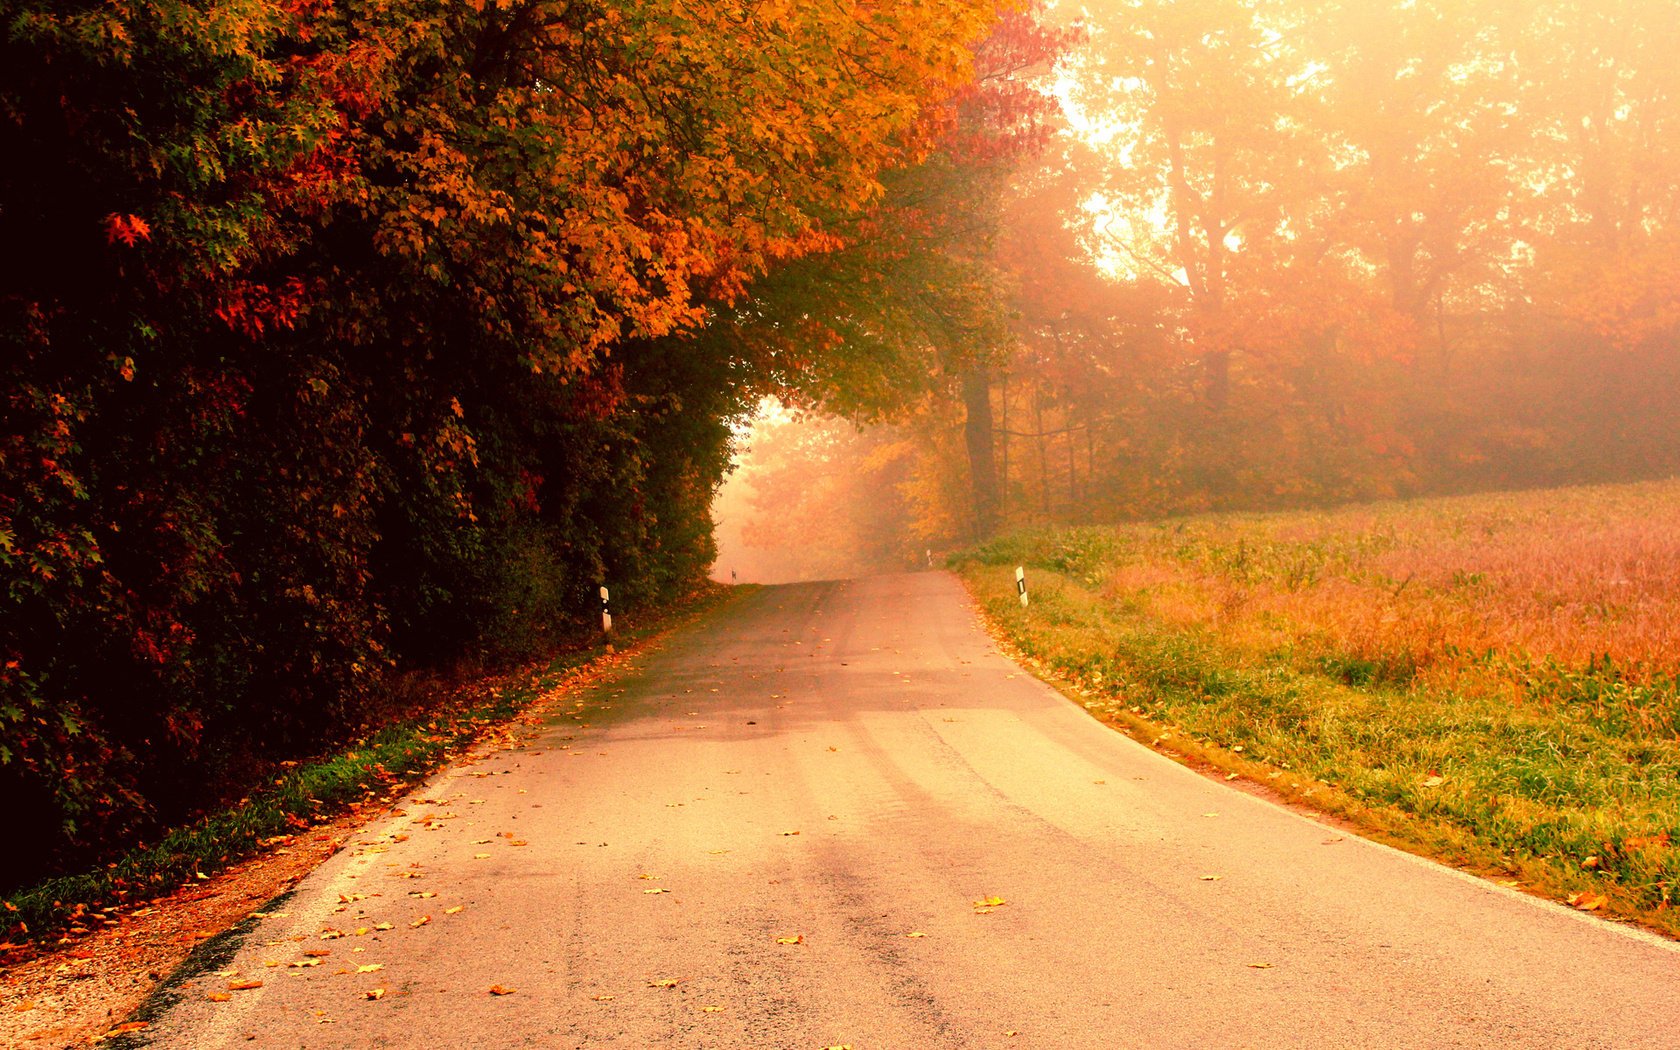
990,902
218,997
455,910
128,1026
374,993
328,935
666,983
243,985
915,933
497,989
1587,900
1259,966
787,833
1590,863
481,856
370,968
657,889
519,842
318,953
1212,878
421,921
304,962
383,926
712,1009
798,938
603,998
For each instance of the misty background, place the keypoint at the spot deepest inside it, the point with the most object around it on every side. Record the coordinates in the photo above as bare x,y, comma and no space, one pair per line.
1275,255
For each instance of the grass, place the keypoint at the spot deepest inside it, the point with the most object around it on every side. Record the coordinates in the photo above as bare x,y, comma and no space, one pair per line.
1491,680
305,793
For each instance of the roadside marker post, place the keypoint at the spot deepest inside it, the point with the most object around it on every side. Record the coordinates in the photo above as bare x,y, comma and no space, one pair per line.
1021,584
606,613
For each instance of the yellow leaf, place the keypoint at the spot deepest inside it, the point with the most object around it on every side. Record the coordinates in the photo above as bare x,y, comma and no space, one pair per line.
1586,900
455,910
915,933
798,938
990,902
370,968
603,998
656,889
421,921
374,993
305,962
712,1009
383,926
481,856
1260,966
666,983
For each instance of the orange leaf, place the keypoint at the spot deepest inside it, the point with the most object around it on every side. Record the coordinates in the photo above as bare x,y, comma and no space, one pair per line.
243,985
497,989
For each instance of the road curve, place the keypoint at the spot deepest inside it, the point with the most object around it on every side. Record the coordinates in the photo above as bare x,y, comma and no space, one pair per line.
849,767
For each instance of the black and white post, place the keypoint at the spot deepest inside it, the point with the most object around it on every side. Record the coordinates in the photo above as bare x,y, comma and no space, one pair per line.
606,613
1021,584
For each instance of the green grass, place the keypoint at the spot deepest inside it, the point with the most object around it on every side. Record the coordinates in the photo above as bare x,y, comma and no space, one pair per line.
309,792
1575,789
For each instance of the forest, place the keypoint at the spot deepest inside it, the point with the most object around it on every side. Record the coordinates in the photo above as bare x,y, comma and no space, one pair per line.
346,341
1288,255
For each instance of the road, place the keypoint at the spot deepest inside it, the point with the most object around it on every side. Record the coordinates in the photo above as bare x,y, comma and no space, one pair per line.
773,831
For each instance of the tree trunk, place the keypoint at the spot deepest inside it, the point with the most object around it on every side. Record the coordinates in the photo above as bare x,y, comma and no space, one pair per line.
977,433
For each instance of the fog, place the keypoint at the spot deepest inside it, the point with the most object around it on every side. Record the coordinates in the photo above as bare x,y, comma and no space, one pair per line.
1272,255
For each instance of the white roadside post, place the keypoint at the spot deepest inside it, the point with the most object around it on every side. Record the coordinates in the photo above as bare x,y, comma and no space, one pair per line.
606,614
1021,584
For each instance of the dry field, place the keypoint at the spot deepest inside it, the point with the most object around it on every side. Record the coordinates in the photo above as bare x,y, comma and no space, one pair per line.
1492,678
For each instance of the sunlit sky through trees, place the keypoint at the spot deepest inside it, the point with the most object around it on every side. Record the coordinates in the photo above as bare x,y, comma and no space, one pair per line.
1325,250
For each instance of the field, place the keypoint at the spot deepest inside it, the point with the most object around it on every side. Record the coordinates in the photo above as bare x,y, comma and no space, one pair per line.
1494,679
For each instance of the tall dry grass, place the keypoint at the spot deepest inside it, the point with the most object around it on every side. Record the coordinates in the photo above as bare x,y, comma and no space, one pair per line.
1501,592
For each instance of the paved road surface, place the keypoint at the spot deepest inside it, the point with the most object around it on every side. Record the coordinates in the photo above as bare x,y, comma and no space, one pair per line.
854,765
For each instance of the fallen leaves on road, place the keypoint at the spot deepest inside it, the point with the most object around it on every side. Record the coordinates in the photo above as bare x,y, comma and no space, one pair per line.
1212,878
915,933
798,938
243,985
657,889
421,921
497,989
370,968
603,998
218,997
667,982
458,909
374,993
987,905
712,1009
297,963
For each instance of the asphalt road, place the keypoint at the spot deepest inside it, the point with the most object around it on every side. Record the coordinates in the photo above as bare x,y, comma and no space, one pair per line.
849,767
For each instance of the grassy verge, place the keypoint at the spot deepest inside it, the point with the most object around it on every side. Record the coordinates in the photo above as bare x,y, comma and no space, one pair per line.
371,768
1568,784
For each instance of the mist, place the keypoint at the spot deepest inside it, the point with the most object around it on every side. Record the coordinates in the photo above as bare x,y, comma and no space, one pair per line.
1275,255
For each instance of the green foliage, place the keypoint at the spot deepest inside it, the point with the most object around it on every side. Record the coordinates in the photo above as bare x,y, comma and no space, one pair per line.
341,337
